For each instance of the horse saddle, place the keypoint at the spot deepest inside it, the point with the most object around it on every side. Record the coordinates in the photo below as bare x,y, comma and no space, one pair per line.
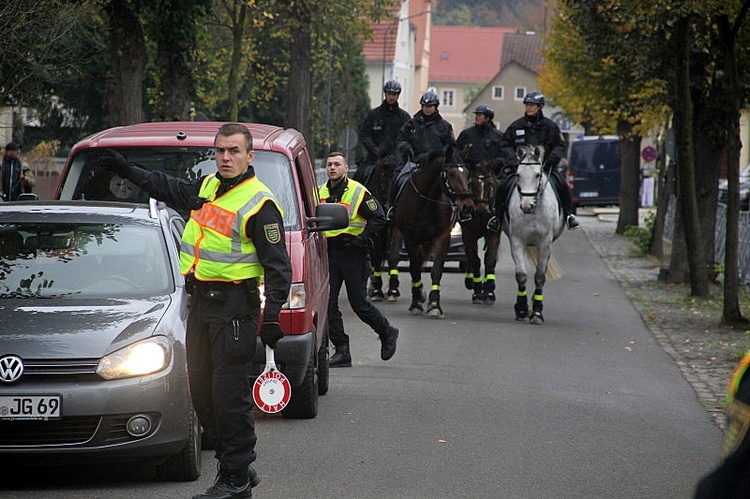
409,168
512,186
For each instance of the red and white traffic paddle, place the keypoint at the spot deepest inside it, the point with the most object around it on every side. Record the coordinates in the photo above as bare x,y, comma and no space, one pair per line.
271,390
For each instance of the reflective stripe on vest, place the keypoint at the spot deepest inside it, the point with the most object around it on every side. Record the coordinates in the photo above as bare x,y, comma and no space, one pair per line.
214,243
352,198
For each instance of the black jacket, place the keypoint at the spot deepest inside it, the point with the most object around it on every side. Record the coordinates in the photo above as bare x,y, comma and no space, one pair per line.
424,134
481,144
534,131
379,131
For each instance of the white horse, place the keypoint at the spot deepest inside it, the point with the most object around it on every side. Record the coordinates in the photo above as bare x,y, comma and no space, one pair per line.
533,222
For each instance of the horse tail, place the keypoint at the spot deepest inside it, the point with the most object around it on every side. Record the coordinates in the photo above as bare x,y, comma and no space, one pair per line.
554,271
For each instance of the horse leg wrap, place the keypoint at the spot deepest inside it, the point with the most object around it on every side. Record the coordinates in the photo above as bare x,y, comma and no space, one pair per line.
469,281
489,290
521,307
536,307
433,306
478,296
417,298
393,284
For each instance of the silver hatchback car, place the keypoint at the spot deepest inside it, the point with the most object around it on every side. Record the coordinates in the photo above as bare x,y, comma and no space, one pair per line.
92,337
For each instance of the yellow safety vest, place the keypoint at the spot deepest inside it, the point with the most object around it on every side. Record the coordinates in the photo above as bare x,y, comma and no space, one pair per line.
214,244
354,194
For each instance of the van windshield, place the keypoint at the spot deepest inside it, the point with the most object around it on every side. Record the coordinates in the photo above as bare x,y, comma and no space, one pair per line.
95,183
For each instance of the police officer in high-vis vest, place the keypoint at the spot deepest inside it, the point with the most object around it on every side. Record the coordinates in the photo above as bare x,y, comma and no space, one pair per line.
349,260
235,236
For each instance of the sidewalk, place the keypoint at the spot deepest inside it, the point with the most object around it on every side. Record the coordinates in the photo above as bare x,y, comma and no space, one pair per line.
687,329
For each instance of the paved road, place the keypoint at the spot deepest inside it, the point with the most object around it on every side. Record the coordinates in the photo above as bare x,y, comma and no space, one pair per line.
478,406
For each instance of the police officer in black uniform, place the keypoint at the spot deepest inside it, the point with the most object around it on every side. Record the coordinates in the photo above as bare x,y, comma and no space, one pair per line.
481,144
225,311
380,128
349,260
534,129
426,132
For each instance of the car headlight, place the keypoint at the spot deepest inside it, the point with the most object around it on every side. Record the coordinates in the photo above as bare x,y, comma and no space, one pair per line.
456,230
297,297
139,359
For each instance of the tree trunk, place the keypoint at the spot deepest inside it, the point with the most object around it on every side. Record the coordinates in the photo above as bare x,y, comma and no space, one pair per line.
731,92
238,34
683,125
124,89
175,53
299,90
629,150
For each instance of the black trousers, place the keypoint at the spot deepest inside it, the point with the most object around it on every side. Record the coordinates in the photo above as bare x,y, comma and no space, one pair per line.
221,336
351,268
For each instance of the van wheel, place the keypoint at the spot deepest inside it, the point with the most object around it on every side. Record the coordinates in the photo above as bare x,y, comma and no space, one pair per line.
185,466
323,365
304,401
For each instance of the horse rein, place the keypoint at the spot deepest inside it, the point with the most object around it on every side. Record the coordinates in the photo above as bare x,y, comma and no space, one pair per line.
449,191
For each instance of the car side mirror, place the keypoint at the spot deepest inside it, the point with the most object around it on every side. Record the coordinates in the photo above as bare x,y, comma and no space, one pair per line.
328,216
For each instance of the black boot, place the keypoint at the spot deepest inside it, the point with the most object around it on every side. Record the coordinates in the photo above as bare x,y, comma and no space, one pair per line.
228,486
341,358
388,343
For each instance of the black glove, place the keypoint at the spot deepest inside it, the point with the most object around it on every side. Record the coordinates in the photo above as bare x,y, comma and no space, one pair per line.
361,244
114,161
271,333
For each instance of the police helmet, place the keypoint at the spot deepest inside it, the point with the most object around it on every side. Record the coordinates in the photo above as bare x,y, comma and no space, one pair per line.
485,110
392,87
429,99
534,98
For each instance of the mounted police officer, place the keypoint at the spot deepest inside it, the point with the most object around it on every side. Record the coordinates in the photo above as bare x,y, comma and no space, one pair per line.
349,260
534,129
235,236
380,128
426,132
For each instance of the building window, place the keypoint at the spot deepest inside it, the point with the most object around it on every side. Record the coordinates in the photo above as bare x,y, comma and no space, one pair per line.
520,93
447,100
498,92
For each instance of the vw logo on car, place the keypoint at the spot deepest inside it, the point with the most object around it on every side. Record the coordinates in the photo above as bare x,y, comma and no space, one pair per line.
11,368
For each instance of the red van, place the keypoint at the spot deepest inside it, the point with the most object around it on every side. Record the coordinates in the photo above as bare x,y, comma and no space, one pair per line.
282,162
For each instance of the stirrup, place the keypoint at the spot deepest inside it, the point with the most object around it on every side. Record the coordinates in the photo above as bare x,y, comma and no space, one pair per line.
572,223
391,214
493,224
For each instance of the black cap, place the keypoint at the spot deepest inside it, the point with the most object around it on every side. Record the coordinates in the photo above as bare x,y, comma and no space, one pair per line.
12,146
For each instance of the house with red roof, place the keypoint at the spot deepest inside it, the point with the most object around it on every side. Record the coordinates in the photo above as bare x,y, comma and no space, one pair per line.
399,49
463,60
517,75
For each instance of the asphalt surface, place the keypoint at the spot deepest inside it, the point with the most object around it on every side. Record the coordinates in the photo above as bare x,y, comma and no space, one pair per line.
478,405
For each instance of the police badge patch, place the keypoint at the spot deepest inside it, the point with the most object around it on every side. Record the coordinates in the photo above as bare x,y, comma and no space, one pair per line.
273,233
372,204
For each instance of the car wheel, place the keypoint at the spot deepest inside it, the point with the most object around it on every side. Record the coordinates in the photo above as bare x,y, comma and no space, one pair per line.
185,466
323,365
304,401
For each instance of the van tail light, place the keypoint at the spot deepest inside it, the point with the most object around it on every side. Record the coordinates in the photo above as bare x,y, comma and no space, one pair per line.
571,179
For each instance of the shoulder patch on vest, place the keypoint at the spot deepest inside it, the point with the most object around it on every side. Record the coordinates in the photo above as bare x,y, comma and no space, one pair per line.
372,204
273,233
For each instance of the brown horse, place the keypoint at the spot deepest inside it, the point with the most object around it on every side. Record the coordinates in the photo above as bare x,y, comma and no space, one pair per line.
426,210
483,187
378,182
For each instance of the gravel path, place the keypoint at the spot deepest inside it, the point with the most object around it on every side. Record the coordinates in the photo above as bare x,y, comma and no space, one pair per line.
686,328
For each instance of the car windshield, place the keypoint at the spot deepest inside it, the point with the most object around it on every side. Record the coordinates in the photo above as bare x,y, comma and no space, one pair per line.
47,260
189,163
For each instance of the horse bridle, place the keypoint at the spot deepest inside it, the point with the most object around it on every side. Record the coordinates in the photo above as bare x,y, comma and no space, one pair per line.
539,187
453,194
477,201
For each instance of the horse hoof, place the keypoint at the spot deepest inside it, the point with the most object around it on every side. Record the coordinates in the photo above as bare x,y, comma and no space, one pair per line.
416,309
536,318
377,295
434,311
489,299
477,299
394,292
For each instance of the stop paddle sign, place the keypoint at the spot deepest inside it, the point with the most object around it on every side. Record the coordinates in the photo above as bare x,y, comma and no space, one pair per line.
271,390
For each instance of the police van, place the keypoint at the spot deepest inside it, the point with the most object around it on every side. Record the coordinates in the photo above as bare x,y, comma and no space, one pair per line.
594,171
